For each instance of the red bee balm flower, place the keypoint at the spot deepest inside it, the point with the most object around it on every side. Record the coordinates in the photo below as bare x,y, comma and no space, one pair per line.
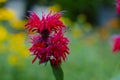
49,22
49,43
118,6
116,45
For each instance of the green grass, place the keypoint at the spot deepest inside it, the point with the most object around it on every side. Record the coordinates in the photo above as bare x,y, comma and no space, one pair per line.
87,61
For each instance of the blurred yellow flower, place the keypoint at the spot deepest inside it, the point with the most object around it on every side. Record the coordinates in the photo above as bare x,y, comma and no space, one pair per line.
55,8
2,1
3,33
18,24
7,14
19,41
67,21
12,60
17,38
25,53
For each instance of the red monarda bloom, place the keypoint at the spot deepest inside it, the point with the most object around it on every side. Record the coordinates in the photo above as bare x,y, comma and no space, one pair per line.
118,6
49,43
51,22
116,43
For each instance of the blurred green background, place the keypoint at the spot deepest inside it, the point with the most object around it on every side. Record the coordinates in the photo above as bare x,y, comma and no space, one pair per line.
91,24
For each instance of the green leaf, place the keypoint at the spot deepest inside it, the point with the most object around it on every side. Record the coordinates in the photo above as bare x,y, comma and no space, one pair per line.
58,72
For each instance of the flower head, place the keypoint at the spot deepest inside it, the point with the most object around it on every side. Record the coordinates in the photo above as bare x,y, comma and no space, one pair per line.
51,22
116,45
118,6
49,43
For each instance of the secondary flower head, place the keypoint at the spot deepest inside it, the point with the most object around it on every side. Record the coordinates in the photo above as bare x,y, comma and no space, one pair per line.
49,43
118,6
116,43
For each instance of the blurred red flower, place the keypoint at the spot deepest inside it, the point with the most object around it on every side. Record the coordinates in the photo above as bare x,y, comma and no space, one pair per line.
118,6
116,45
49,43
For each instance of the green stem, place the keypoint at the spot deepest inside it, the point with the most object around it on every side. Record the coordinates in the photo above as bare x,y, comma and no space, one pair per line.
58,72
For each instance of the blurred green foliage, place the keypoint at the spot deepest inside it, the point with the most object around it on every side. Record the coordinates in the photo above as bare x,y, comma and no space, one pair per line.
76,7
90,59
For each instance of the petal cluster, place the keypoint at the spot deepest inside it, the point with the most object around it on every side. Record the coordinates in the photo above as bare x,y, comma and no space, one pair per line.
49,42
51,22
